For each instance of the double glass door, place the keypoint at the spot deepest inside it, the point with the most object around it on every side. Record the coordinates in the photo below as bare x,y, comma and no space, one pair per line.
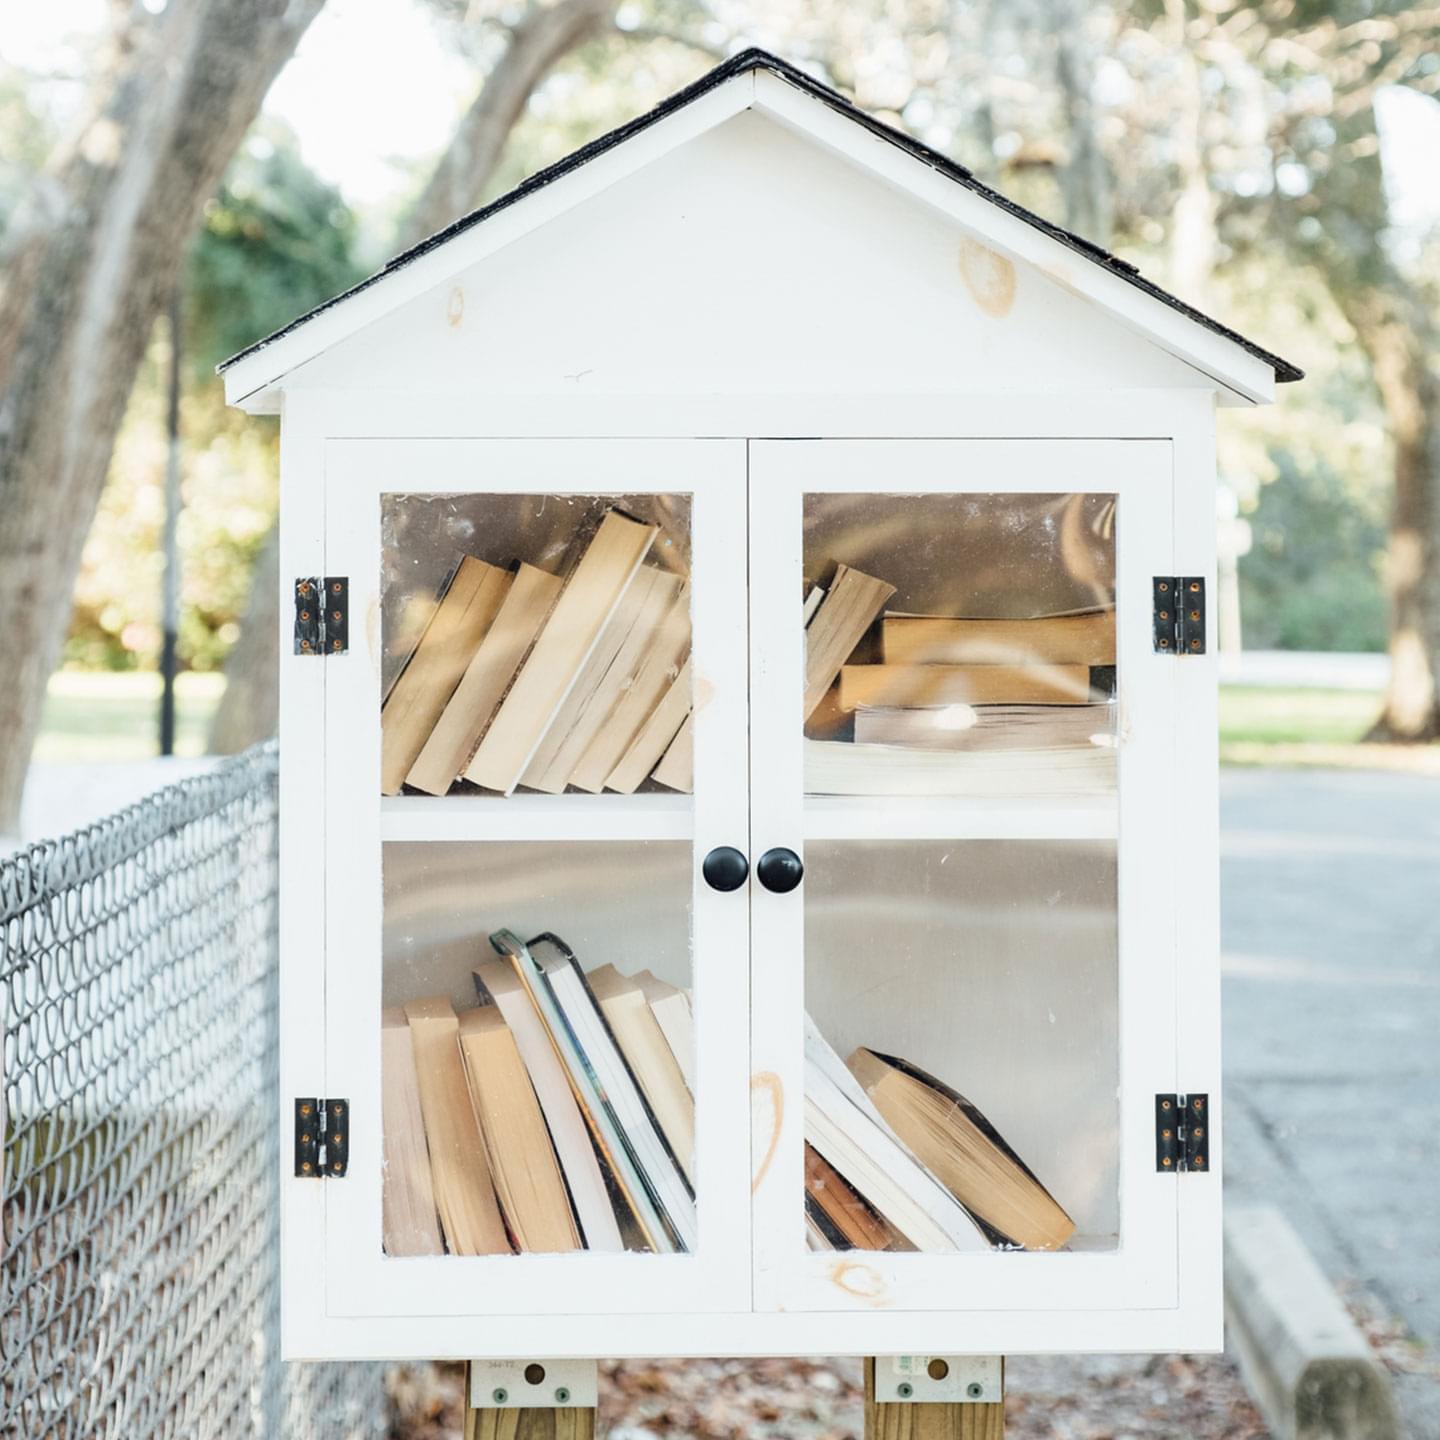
884,1065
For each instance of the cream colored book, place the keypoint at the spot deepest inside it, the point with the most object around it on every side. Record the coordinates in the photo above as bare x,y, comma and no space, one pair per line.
591,593
655,737
1086,637
964,1151
517,1144
838,767
457,733
988,727
496,981
812,604
676,770
653,678
848,610
418,698
407,1202
464,1192
549,768
670,1005
648,1053
622,674
908,686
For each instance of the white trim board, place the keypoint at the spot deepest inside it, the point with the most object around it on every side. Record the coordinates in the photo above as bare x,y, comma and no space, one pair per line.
254,378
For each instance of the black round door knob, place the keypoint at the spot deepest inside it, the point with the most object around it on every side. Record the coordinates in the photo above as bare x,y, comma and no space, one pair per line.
780,870
725,868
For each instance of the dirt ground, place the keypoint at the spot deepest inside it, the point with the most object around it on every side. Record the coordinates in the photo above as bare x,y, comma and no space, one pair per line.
1112,1398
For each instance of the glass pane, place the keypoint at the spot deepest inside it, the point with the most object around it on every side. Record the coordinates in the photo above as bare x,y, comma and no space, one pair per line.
960,644
962,1058
537,1048
535,643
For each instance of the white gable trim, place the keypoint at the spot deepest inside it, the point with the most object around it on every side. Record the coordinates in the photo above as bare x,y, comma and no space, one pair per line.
253,381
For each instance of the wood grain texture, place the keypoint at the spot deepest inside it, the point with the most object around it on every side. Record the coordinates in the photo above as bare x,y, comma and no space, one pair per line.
929,1422
571,1422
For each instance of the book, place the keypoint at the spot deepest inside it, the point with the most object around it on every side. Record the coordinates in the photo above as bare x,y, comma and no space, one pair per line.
659,596
1085,637
648,1053
849,1215
410,1224
498,984
843,1124
849,608
838,767
641,1163
670,1006
813,597
424,687
987,727
549,768
964,1151
676,770
457,733
653,740
907,686
517,1145
654,675
464,1193
591,594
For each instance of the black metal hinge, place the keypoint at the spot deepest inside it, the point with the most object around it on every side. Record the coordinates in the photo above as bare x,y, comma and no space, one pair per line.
322,615
1179,615
322,1138
1182,1132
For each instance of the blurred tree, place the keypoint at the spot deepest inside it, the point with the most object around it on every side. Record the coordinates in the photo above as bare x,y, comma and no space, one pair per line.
89,258
516,56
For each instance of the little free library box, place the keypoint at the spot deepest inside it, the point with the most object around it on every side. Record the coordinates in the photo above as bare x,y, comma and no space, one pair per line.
748,799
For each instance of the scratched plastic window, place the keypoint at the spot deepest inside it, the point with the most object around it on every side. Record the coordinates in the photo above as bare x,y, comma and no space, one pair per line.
961,645
535,644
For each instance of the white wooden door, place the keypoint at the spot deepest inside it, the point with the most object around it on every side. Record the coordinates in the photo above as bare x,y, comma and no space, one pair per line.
1014,937
415,883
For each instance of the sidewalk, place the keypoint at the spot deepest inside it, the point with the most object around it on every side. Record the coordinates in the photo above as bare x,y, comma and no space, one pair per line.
1332,1007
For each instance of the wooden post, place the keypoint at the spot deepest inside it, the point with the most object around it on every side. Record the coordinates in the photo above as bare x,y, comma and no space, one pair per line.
569,1422
929,1422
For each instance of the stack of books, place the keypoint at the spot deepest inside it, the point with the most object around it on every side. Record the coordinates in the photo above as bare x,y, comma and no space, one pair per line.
521,679
555,1116
896,1160
900,704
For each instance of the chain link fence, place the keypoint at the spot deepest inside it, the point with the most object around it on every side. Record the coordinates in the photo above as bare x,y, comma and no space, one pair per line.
139,1276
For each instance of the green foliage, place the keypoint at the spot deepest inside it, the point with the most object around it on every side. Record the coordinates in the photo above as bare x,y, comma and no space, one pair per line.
274,243
1312,579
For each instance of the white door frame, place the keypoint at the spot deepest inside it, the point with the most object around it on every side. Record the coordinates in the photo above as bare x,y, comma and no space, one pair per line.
1143,1272
359,1280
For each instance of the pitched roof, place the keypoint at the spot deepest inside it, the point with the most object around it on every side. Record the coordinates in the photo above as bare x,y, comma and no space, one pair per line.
756,59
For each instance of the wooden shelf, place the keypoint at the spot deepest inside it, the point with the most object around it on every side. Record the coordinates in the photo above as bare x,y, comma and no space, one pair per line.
537,817
873,817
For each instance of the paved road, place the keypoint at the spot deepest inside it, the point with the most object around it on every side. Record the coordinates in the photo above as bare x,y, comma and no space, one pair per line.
1331,911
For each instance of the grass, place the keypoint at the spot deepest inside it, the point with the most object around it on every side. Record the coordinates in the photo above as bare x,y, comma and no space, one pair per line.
1261,715
115,716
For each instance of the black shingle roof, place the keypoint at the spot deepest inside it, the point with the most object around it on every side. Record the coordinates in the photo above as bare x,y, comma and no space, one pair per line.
755,59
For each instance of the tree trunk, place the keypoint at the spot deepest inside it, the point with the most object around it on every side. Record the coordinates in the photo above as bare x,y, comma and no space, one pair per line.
543,37
1403,360
88,264
247,711
1085,182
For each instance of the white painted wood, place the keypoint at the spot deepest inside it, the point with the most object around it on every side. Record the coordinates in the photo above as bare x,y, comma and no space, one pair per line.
1143,1270
570,312
302,849
830,817
680,151
359,1280
537,817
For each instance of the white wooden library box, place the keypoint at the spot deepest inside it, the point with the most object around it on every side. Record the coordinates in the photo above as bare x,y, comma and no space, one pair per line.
826,680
